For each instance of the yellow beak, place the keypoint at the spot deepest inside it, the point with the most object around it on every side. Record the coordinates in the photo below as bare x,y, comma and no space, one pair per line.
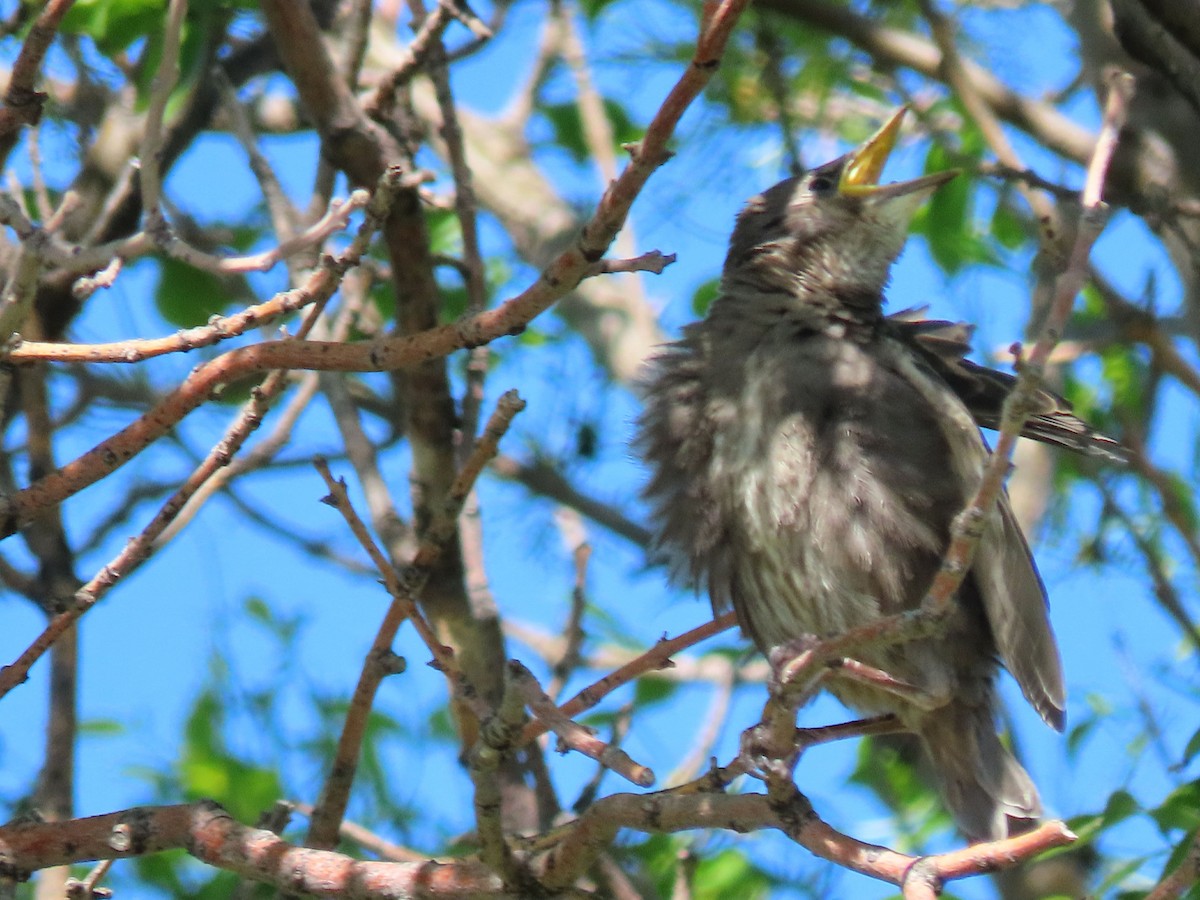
861,172
860,175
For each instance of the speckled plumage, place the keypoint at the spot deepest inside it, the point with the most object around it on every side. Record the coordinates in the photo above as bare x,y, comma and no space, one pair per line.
808,456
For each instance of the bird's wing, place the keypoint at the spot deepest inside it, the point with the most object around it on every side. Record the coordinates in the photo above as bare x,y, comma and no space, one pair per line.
943,346
1014,600
1003,572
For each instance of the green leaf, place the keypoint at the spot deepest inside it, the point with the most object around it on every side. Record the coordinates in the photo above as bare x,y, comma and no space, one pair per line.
454,302
653,690
115,24
1178,855
1120,806
445,232
1181,809
1007,227
704,296
1077,735
1117,875
729,874
887,769
383,298
162,869
1124,373
533,337
201,730
257,609
1192,748
441,724
945,222
186,296
593,8
567,124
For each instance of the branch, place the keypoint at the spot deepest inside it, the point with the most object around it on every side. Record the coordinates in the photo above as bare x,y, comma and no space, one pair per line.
892,47
541,477
165,77
1020,403
69,258
466,208
111,454
497,734
657,657
567,270
330,809
667,812
572,734
211,835
140,548
22,104
1185,876
379,105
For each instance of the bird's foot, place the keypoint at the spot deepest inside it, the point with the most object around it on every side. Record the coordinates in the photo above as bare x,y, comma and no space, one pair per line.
763,757
796,667
854,670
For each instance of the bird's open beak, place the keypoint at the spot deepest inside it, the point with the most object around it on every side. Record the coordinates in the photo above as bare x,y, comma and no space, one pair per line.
860,175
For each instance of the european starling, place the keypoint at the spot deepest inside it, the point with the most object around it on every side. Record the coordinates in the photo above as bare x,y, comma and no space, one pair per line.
809,454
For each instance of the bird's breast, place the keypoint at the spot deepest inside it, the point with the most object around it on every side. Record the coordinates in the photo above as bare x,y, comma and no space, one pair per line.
834,479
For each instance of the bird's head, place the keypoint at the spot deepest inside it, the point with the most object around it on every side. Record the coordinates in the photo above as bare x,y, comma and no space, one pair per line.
832,233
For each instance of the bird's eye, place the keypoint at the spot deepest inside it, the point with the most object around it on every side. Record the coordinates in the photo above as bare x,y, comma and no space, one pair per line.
821,185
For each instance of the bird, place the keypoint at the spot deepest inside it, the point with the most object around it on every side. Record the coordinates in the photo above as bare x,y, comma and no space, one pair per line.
808,455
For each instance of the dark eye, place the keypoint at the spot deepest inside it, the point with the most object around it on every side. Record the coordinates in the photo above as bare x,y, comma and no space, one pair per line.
821,185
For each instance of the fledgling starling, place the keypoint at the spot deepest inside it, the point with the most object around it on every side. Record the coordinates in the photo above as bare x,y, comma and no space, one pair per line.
809,454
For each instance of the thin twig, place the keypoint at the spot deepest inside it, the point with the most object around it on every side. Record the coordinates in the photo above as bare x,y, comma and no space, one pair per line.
67,258
161,86
971,523
330,808
710,668
496,740
573,735
365,837
466,207
981,112
1018,405
139,549
22,102
657,657
380,104
571,527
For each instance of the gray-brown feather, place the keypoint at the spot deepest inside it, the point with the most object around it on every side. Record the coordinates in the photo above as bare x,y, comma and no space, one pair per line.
807,465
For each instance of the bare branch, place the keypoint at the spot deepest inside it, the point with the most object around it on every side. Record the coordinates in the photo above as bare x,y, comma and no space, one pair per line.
330,809
658,657
161,86
573,735
207,832
22,103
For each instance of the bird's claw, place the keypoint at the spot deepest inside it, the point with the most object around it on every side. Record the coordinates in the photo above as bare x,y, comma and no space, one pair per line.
762,758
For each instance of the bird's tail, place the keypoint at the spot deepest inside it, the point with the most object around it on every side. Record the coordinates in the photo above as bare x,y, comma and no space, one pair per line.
981,782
